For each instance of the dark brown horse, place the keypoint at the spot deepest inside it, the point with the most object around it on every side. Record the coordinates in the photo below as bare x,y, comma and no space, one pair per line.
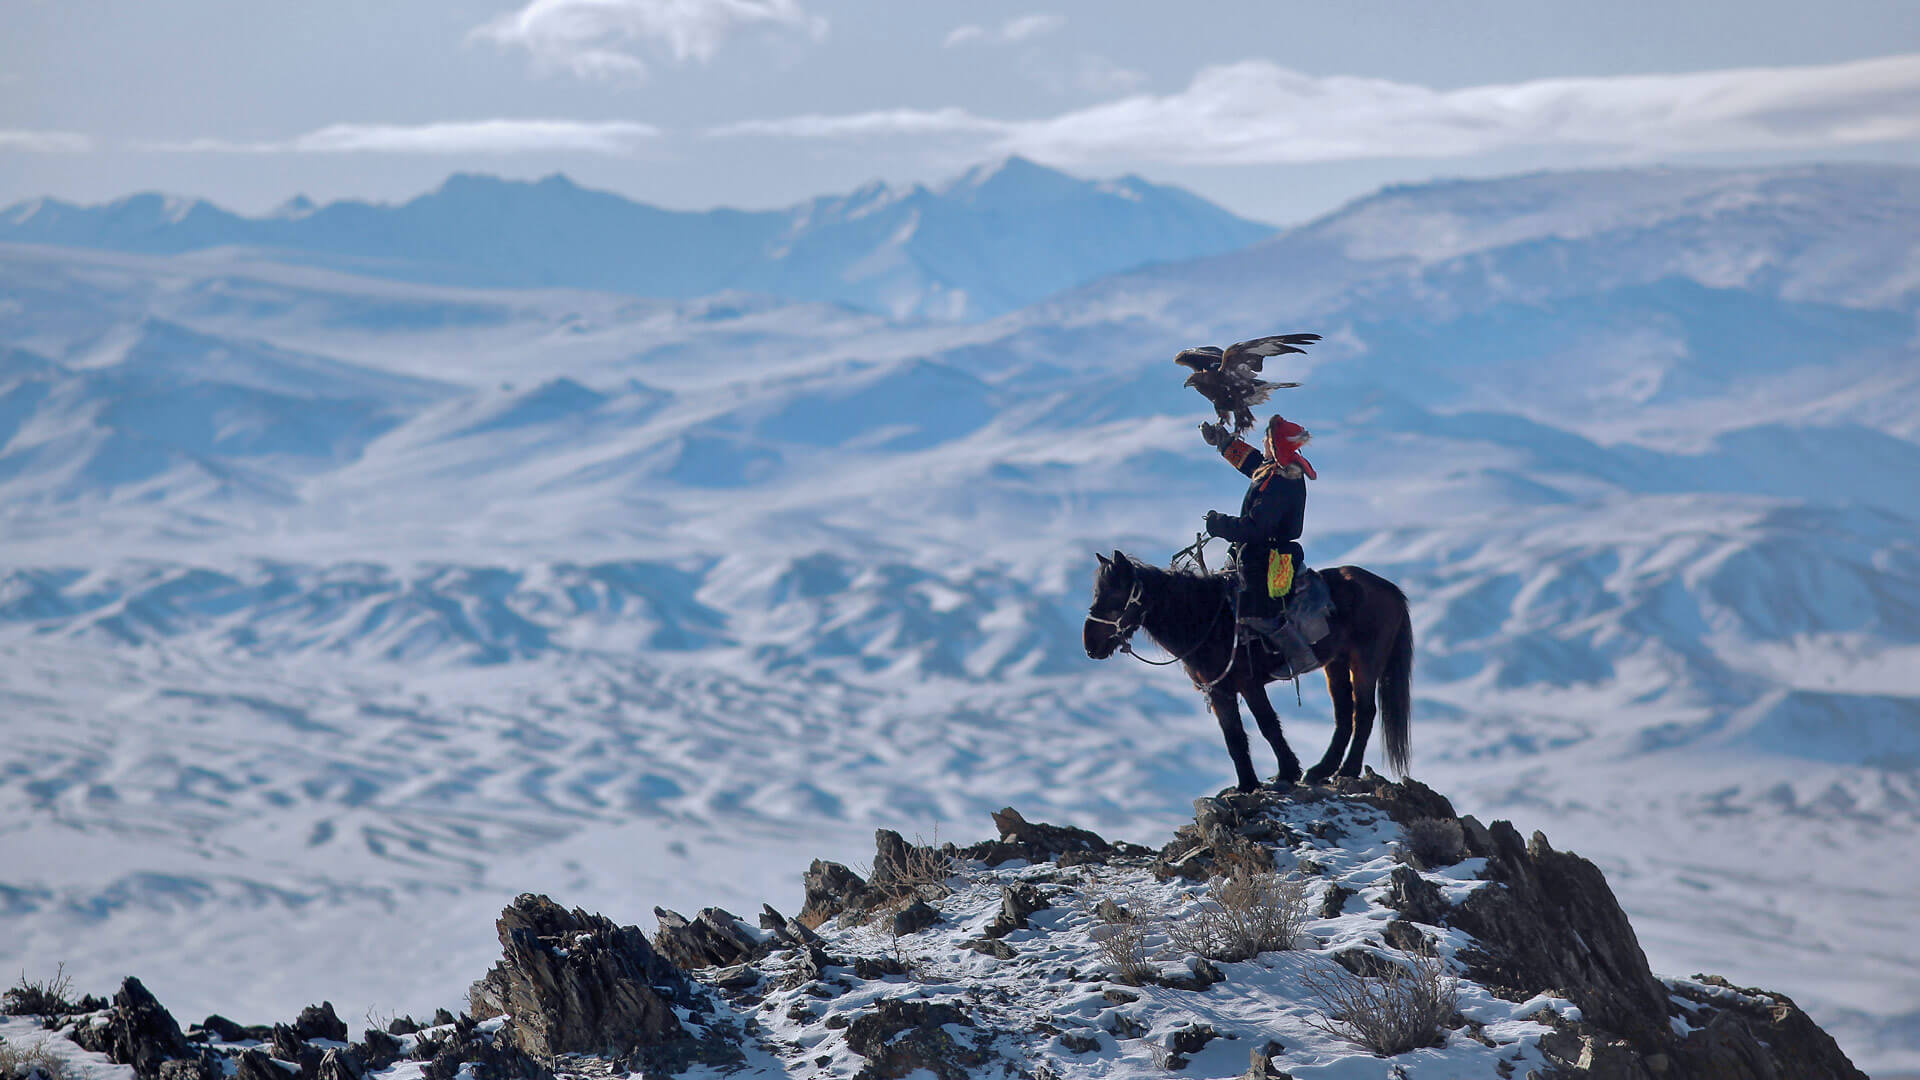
1368,653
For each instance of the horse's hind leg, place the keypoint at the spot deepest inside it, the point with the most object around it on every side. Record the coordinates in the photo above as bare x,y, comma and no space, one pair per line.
1340,689
1269,722
1364,680
1226,709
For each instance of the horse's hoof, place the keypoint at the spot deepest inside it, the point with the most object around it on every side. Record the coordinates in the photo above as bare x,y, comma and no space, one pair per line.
1280,785
1246,788
1318,776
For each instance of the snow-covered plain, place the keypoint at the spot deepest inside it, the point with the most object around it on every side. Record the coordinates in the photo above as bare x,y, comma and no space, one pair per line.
337,611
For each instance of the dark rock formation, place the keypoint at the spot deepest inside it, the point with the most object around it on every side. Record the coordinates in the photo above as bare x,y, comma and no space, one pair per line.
571,982
899,1036
1016,903
1038,842
1747,1034
136,1030
713,938
319,1022
227,1031
831,890
914,918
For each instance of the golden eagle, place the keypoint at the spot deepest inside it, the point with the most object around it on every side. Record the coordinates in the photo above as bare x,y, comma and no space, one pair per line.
1226,377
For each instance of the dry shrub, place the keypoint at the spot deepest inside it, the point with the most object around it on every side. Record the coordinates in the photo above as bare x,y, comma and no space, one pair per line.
1433,842
922,874
1246,914
46,997
1122,940
1394,1007
13,1056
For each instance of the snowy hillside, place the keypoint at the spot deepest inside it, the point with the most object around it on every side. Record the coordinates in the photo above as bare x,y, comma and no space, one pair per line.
329,597
996,238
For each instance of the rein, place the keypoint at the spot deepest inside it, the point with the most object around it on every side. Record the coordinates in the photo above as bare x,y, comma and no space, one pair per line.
1125,634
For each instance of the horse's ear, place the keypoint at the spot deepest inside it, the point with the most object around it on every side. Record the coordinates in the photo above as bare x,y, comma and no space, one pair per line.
1104,561
1118,557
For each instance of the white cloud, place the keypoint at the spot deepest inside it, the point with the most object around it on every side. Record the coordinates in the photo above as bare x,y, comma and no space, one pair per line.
1259,112
1017,29
465,137
44,142
597,38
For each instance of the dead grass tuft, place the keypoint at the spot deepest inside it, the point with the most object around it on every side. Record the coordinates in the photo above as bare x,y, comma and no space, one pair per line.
1246,914
1396,1006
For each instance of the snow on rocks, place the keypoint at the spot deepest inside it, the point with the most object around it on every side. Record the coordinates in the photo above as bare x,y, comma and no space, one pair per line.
1305,934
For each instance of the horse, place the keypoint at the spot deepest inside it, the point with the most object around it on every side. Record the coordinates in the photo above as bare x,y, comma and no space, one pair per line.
1367,653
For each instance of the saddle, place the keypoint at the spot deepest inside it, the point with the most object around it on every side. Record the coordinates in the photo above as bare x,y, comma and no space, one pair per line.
1301,624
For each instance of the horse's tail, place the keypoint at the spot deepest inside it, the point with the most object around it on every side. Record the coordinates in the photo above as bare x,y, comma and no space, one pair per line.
1396,691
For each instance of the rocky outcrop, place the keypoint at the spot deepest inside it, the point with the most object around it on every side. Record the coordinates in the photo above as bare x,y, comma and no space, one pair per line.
137,1030
1038,842
713,938
572,983
899,1037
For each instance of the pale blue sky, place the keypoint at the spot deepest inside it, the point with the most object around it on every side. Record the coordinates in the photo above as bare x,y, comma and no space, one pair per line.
1278,110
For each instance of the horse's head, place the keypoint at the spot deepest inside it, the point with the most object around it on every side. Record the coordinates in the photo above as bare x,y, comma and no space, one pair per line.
1117,607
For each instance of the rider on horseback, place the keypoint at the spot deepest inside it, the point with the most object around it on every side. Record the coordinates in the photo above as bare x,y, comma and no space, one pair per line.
1266,533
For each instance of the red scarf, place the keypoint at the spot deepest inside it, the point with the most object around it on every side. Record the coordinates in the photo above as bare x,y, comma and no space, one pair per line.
1283,443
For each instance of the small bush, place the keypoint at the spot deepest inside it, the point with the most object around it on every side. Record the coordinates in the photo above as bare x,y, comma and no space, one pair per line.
17,1058
1121,937
1246,915
1393,1008
1433,842
923,874
47,997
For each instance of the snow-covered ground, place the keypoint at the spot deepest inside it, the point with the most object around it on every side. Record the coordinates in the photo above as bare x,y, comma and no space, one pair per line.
337,611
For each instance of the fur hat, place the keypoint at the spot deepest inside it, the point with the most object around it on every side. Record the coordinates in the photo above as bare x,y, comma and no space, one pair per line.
1283,443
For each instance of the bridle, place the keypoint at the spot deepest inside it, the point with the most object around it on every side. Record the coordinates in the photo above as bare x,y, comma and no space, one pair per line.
1123,631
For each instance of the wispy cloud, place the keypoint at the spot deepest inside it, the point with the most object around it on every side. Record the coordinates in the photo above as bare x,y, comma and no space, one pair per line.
603,38
1014,30
1259,112
464,137
44,142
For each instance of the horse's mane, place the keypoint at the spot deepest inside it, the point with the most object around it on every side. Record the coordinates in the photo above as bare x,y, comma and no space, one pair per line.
1184,595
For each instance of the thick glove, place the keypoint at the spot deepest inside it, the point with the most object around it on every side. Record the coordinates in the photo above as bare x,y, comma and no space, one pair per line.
1214,518
1215,435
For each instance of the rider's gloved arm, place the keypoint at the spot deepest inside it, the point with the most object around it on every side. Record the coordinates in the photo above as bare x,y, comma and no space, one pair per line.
1238,530
1242,456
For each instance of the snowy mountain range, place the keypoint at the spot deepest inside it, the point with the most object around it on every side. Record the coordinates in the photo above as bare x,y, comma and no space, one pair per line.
998,237
332,596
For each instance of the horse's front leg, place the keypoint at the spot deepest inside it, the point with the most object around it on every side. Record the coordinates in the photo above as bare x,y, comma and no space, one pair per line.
1226,709
1269,721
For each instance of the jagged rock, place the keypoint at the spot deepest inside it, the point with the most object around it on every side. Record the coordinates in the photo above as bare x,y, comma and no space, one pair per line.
914,918
1334,901
379,1049
256,1065
1016,903
1415,897
1261,1067
227,1031
1551,923
1405,802
339,1065
1119,996
1122,1026
993,947
786,931
136,1030
402,1025
1752,1031
1201,974
289,1047
197,1068
1108,911
571,982
319,1022
1078,1043
441,1018
1191,1039
899,1036
832,889
738,977
877,967
713,938
1038,842
1403,935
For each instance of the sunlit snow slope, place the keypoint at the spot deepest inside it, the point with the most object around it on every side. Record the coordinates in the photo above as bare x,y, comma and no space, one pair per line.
336,610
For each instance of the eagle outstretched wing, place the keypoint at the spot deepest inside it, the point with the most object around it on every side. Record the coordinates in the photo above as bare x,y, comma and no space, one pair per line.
1225,377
